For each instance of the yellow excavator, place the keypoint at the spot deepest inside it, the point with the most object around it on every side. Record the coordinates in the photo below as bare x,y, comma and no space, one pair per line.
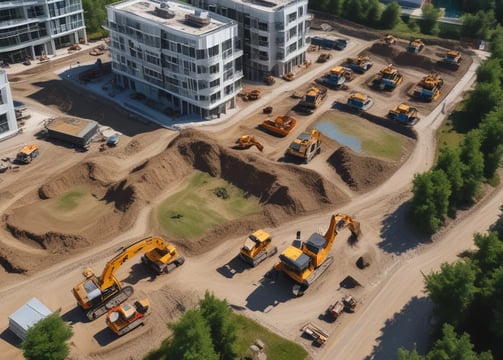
98,295
306,264
257,248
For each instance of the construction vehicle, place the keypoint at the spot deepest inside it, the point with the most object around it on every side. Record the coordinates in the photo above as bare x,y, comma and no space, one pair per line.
452,60
349,303
388,78
289,76
269,80
389,39
306,264
319,335
404,114
346,304
281,125
359,64
306,146
337,77
257,247
312,99
126,317
98,295
27,154
359,101
428,89
337,44
324,57
415,46
247,141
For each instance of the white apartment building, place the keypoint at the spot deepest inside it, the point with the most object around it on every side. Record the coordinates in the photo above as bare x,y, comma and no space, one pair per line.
182,57
272,33
8,123
31,28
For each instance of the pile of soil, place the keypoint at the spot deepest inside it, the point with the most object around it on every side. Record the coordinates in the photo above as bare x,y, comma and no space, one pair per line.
398,56
361,173
284,190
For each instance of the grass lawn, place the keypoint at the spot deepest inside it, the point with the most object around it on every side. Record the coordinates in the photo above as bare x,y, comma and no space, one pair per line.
70,200
204,203
375,140
276,347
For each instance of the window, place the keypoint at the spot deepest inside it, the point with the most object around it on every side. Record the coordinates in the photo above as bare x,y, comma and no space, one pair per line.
262,26
214,69
292,17
213,51
4,126
215,83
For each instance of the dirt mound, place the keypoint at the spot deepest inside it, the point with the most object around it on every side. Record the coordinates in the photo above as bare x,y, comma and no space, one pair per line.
117,196
385,51
398,56
359,172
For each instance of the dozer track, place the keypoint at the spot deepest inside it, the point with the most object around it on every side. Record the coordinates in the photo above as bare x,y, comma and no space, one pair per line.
259,258
133,325
320,270
118,299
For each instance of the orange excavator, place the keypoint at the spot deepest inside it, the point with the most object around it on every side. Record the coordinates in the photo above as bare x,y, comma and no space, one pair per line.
247,141
306,264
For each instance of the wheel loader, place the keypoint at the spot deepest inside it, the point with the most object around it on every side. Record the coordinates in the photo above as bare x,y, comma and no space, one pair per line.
306,264
306,146
257,247
126,317
96,295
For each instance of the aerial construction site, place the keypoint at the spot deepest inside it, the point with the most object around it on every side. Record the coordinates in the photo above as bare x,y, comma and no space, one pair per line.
272,208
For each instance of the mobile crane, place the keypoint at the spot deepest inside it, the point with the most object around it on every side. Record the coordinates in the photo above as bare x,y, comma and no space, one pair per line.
306,264
98,295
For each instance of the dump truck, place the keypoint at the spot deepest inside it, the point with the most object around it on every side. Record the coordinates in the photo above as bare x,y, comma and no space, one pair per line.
389,39
126,317
319,335
451,60
388,78
346,304
337,77
428,89
306,264
337,44
359,64
415,46
96,295
281,125
404,114
359,101
247,141
257,247
312,99
27,154
306,146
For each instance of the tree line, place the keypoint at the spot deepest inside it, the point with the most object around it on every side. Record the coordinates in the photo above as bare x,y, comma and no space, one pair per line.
468,298
456,180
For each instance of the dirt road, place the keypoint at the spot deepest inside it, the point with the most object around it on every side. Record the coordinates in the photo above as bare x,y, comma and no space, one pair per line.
394,278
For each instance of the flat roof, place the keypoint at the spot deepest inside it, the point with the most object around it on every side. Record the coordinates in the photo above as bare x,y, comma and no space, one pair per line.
267,4
179,16
30,313
71,126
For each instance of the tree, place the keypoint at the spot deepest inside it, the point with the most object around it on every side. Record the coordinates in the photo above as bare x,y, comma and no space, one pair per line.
492,140
374,13
498,226
391,15
452,289
490,72
354,10
335,7
429,21
489,256
473,171
46,340
412,25
452,347
223,332
497,301
478,26
403,354
482,100
191,338
450,162
94,14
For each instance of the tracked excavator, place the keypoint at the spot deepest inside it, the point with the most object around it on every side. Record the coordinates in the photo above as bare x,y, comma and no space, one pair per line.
257,247
247,141
97,295
306,264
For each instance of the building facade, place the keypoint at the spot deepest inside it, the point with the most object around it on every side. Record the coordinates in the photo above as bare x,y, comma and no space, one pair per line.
31,28
8,123
272,33
182,57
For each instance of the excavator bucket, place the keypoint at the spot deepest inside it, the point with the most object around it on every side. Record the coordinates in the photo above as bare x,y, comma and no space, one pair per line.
354,227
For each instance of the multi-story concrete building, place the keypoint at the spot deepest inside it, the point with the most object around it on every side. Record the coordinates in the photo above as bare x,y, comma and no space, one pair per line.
272,33
31,28
8,123
182,57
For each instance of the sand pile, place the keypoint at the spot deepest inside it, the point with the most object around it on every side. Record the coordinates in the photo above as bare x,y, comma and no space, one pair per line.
399,56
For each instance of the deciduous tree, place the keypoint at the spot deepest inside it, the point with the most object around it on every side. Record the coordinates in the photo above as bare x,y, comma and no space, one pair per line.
391,15
450,162
473,171
429,21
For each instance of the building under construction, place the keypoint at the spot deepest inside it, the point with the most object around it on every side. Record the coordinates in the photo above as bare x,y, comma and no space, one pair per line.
75,131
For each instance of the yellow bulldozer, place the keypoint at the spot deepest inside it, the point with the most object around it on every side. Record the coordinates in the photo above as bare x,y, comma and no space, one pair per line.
404,114
387,79
306,264
415,46
306,146
428,89
312,99
126,317
257,247
452,60
247,141
96,295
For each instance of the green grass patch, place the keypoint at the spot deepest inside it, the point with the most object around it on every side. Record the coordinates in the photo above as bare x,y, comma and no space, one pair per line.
454,128
70,200
276,347
204,203
375,140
